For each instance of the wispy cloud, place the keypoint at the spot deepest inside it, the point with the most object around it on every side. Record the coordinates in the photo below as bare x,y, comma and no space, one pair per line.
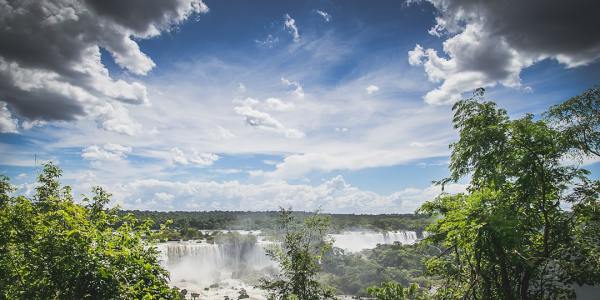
297,89
324,14
290,26
108,151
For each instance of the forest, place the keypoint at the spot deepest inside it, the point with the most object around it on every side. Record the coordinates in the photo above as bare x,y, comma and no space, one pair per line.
185,224
528,227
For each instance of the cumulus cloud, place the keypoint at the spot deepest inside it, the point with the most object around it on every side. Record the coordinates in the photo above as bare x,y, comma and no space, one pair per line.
334,195
491,42
203,159
7,123
50,61
177,156
290,25
265,121
324,14
115,117
107,152
297,89
372,89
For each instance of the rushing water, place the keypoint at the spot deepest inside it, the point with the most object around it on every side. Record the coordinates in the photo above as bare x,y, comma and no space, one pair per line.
221,269
356,241
216,270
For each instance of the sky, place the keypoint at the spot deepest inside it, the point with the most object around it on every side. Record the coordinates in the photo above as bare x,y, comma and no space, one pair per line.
253,105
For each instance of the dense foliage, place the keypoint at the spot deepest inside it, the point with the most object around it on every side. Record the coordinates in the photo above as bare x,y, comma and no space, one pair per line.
509,236
352,273
302,247
394,291
54,248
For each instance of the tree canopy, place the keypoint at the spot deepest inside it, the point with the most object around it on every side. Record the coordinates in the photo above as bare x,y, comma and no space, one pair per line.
510,236
54,248
299,255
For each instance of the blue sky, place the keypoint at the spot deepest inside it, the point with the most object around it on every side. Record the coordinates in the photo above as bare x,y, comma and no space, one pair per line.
246,105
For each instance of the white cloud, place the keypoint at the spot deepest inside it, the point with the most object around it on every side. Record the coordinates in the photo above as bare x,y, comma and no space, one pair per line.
290,26
164,197
298,91
107,152
115,117
30,124
278,105
203,159
421,144
372,89
296,165
475,60
221,133
177,156
7,123
334,195
268,42
416,56
491,42
324,14
65,80
228,171
265,121
381,125
270,104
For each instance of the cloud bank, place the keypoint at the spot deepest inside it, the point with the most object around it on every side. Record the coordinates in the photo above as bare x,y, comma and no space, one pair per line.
333,195
491,42
50,57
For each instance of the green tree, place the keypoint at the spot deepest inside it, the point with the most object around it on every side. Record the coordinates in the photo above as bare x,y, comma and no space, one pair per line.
579,120
299,257
394,291
509,237
54,248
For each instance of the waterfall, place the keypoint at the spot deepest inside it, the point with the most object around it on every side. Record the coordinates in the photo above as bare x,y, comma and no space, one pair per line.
239,261
356,241
203,263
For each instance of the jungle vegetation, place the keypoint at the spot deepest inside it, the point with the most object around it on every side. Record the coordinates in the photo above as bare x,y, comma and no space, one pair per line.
54,248
528,226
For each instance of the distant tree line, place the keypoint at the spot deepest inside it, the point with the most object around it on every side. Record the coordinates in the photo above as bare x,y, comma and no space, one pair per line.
185,224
